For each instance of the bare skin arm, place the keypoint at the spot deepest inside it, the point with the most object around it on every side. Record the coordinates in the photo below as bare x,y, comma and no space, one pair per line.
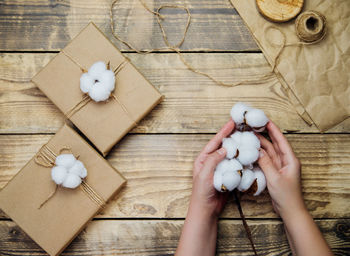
282,170
199,233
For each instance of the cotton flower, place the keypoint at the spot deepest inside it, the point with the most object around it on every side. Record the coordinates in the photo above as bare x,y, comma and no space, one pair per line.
227,175
244,146
68,171
231,147
244,115
256,119
238,111
247,180
260,180
247,155
98,82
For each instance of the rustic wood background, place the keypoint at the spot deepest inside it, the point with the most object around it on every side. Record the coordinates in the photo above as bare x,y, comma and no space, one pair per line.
156,157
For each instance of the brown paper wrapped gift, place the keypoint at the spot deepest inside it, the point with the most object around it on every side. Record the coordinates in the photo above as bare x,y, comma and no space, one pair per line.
316,76
64,215
104,123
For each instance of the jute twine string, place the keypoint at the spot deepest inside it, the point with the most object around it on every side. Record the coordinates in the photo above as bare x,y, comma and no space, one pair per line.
46,157
86,98
300,30
176,48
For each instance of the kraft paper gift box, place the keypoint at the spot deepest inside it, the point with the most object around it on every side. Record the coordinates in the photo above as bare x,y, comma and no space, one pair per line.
103,123
64,215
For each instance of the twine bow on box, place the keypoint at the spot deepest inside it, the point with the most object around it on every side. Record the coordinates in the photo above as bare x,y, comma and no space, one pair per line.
46,157
86,98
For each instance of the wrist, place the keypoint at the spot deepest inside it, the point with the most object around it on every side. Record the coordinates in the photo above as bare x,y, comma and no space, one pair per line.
201,212
295,215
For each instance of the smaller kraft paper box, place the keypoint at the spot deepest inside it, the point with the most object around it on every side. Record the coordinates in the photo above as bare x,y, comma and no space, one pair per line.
53,215
104,123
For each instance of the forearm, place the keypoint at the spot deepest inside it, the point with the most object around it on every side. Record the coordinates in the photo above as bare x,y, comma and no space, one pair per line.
304,236
199,233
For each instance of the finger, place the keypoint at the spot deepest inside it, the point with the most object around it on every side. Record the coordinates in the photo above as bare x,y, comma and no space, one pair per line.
215,142
271,151
277,137
267,165
212,161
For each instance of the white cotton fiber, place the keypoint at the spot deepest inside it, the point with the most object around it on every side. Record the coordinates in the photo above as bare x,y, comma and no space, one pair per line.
217,180
237,137
223,172
97,68
250,139
256,118
108,79
68,171
86,82
230,146
248,155
65,160
78,169
71,181
247,180
98,82
230,180
237,112
58,174
260,179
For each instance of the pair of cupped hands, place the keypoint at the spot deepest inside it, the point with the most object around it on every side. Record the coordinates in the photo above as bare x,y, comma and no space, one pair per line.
277,160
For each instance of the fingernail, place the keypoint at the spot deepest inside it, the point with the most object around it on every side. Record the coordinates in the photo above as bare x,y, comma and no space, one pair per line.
261,154
221,151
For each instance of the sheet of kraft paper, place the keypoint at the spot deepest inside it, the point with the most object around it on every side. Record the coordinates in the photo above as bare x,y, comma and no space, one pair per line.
316,76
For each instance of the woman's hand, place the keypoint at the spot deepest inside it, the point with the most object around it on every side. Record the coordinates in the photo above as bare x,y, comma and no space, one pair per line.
282,171
204,195
199,233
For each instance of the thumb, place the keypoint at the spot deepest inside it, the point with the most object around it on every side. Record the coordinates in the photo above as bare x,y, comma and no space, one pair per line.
213,159
267,165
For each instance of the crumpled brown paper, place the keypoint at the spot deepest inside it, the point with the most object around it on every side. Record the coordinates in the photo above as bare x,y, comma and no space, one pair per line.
316,77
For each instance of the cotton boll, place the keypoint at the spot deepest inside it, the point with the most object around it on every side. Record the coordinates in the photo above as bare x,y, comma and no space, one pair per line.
78,169
230,146
256,118
65,160
230,180
250,139
260,180
248,155
71,181
226,166
238,111
86,82
107,78
223,166
237,137
97,68
247,180
58,174
217,180
235,165
99,93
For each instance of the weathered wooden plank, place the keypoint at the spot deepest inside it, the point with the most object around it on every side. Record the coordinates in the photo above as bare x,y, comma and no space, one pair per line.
50,25
158,169
193,103
157,237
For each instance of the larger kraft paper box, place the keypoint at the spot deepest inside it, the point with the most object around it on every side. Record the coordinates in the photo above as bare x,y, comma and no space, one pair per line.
103,123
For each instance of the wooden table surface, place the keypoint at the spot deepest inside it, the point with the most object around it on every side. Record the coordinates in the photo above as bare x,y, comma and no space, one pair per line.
157,156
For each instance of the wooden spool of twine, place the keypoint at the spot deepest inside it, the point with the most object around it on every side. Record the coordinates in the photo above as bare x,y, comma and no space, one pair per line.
310,26
279,10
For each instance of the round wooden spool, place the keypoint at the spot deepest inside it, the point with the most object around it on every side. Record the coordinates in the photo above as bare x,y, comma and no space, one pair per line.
279,10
